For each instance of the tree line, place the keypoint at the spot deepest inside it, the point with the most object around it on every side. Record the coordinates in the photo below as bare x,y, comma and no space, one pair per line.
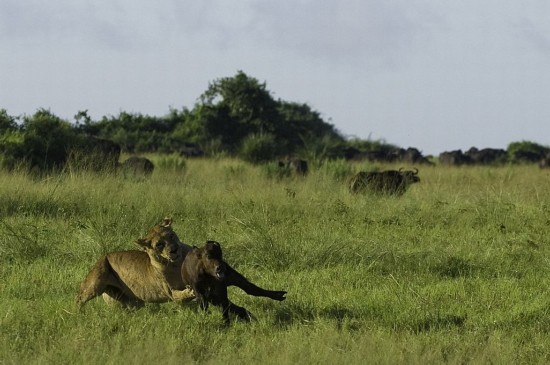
236,116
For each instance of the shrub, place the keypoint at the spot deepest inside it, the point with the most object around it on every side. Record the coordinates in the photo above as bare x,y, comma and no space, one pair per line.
339,170
7,122
527,151
274,170
10,140
45,142
258,148
172,163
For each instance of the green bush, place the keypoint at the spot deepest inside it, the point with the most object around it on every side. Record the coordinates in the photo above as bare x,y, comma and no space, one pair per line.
45,142
9,142
339,170
172,163
526,150
259,148
274,170
7,122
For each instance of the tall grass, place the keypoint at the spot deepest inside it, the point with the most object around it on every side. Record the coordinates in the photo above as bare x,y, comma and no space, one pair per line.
454,271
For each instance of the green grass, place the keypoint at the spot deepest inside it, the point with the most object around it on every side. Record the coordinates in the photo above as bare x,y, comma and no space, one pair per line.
454,271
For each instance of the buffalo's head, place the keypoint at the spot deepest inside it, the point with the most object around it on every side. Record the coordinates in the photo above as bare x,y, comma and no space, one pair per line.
211,257
411,176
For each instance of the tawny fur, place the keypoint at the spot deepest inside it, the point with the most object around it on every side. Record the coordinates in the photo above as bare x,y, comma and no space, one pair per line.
136,277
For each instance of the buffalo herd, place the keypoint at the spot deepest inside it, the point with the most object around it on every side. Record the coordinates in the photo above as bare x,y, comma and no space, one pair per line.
474,156
493,156
410,155
388,182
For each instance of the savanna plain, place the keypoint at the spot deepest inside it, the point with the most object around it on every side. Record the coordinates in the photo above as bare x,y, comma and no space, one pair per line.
456,270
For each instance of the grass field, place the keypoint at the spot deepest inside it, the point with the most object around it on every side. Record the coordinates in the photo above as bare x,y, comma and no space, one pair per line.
454,271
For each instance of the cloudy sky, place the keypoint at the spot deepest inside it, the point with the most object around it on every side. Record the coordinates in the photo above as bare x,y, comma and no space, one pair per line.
432,74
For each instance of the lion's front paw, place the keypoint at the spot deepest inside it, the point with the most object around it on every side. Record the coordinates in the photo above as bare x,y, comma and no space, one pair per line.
183,296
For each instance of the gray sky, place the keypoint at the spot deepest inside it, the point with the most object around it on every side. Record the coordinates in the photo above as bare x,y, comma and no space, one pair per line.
432,74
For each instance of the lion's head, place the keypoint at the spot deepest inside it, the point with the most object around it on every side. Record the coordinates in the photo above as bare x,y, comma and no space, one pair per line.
162,244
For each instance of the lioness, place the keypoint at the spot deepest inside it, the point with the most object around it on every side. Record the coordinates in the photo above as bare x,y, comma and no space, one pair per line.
153,275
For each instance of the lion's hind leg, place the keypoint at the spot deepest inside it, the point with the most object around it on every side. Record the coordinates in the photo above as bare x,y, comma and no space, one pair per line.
113,296
96,282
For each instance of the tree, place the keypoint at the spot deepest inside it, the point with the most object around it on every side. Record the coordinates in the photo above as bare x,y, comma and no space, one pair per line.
234,107
527,151
258,148
46,141
303,127
7,122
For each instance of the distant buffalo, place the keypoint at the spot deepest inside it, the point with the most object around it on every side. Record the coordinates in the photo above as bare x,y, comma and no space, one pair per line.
544,163
413,156
527,156
486,156
190,150
454,158
390,182
410,155
137,166
474,156
295,165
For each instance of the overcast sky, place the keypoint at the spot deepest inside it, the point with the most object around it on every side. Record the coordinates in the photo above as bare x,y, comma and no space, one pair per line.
432,74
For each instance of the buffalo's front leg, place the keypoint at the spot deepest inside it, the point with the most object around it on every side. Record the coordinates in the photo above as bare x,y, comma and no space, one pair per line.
203,302
218,297
241,312
225,304
233,277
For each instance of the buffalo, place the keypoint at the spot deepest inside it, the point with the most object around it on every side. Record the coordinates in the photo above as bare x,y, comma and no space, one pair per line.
204,271
413,156
486,156
527,156
190,150
295,165
137,166
391,182
474,156
544,163
454,158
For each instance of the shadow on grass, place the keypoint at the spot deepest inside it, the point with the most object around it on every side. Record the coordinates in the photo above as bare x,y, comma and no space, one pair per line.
536,319
295,313
455,267
436,323
354,319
